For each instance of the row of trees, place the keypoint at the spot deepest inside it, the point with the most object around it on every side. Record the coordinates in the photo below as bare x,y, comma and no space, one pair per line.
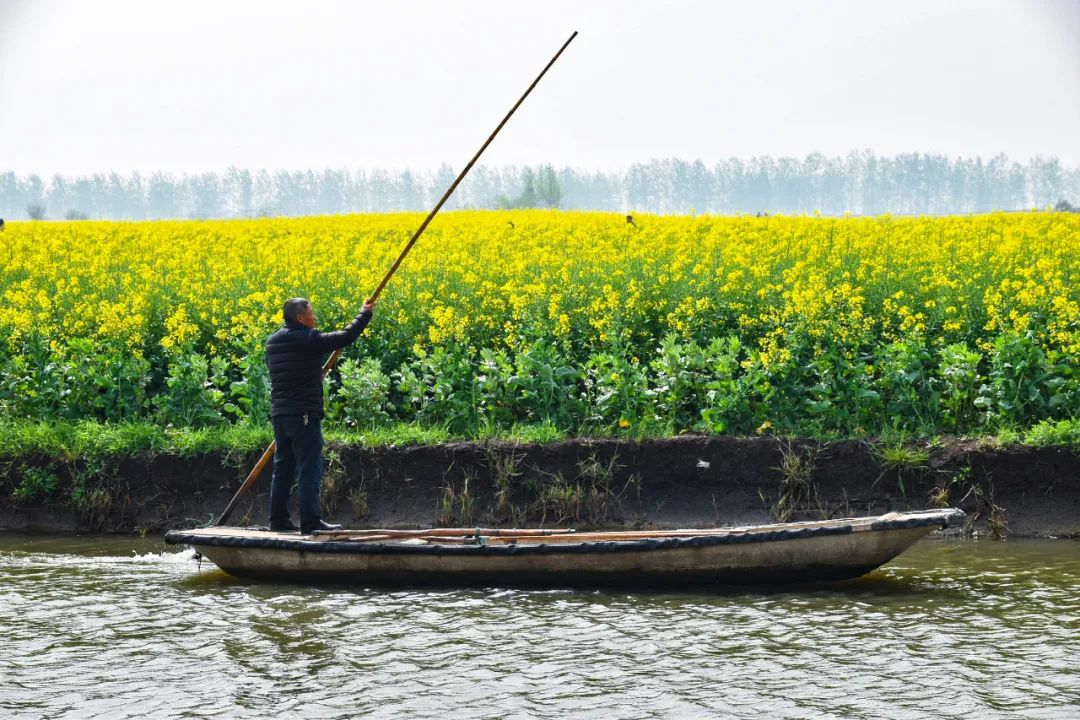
860,183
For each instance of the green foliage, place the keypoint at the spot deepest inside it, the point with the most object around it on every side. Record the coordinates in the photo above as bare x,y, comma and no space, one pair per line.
103,382
1051,433
546,386
617,392
817,390
363,395
839,394
93,504
456,505
82,379
397,434
900,456
797,492
591,497
439,388
902,461
725,406
36,484
956,381
823,327
542,433
97,440
243,437
32,382
908,401
493,388
190,398
812,387
251,393
1021,382
89,440
680,374
21,438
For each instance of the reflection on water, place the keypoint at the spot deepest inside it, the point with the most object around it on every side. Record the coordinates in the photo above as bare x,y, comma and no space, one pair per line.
122,628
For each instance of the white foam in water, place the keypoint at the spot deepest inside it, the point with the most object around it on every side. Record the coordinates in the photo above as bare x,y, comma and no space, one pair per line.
182,558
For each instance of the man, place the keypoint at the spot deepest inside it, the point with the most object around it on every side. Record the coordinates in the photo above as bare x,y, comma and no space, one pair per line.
294,355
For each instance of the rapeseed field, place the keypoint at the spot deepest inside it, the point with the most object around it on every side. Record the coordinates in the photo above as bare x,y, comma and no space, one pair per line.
843,326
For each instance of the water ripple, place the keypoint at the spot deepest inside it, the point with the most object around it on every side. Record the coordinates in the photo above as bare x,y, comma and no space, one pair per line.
112,628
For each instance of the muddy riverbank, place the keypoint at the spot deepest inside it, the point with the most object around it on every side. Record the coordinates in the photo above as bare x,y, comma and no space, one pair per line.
685,481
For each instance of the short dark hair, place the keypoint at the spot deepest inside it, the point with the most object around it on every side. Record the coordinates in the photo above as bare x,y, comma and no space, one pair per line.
293,307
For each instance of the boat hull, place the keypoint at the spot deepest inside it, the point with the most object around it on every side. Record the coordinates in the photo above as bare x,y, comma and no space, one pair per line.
804,552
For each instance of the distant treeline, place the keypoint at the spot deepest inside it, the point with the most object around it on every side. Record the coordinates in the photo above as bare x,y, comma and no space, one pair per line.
860,183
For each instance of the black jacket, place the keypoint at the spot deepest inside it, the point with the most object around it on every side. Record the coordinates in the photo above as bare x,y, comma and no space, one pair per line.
294,355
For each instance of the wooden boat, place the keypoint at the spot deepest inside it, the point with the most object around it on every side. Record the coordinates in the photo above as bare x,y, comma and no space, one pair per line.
779,553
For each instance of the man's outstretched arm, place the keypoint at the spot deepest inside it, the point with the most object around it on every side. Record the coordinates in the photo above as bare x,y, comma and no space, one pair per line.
328,342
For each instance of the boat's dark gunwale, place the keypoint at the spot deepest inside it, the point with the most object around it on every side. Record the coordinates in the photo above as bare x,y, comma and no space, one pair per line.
180,537
595,546
733,577
942,519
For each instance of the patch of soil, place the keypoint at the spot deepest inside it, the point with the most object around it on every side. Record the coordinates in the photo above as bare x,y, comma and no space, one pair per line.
687,481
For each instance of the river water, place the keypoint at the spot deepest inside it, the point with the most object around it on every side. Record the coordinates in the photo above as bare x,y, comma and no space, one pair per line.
115,627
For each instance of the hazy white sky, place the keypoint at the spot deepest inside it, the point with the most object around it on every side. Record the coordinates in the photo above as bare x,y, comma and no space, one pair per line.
191,86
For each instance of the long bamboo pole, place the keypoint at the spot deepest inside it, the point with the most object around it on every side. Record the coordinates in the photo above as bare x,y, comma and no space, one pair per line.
269,453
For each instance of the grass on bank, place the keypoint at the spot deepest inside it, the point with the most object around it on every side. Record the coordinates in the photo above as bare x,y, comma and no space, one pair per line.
88,440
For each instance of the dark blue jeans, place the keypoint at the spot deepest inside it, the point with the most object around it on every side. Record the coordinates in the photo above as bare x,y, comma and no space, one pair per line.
297,457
